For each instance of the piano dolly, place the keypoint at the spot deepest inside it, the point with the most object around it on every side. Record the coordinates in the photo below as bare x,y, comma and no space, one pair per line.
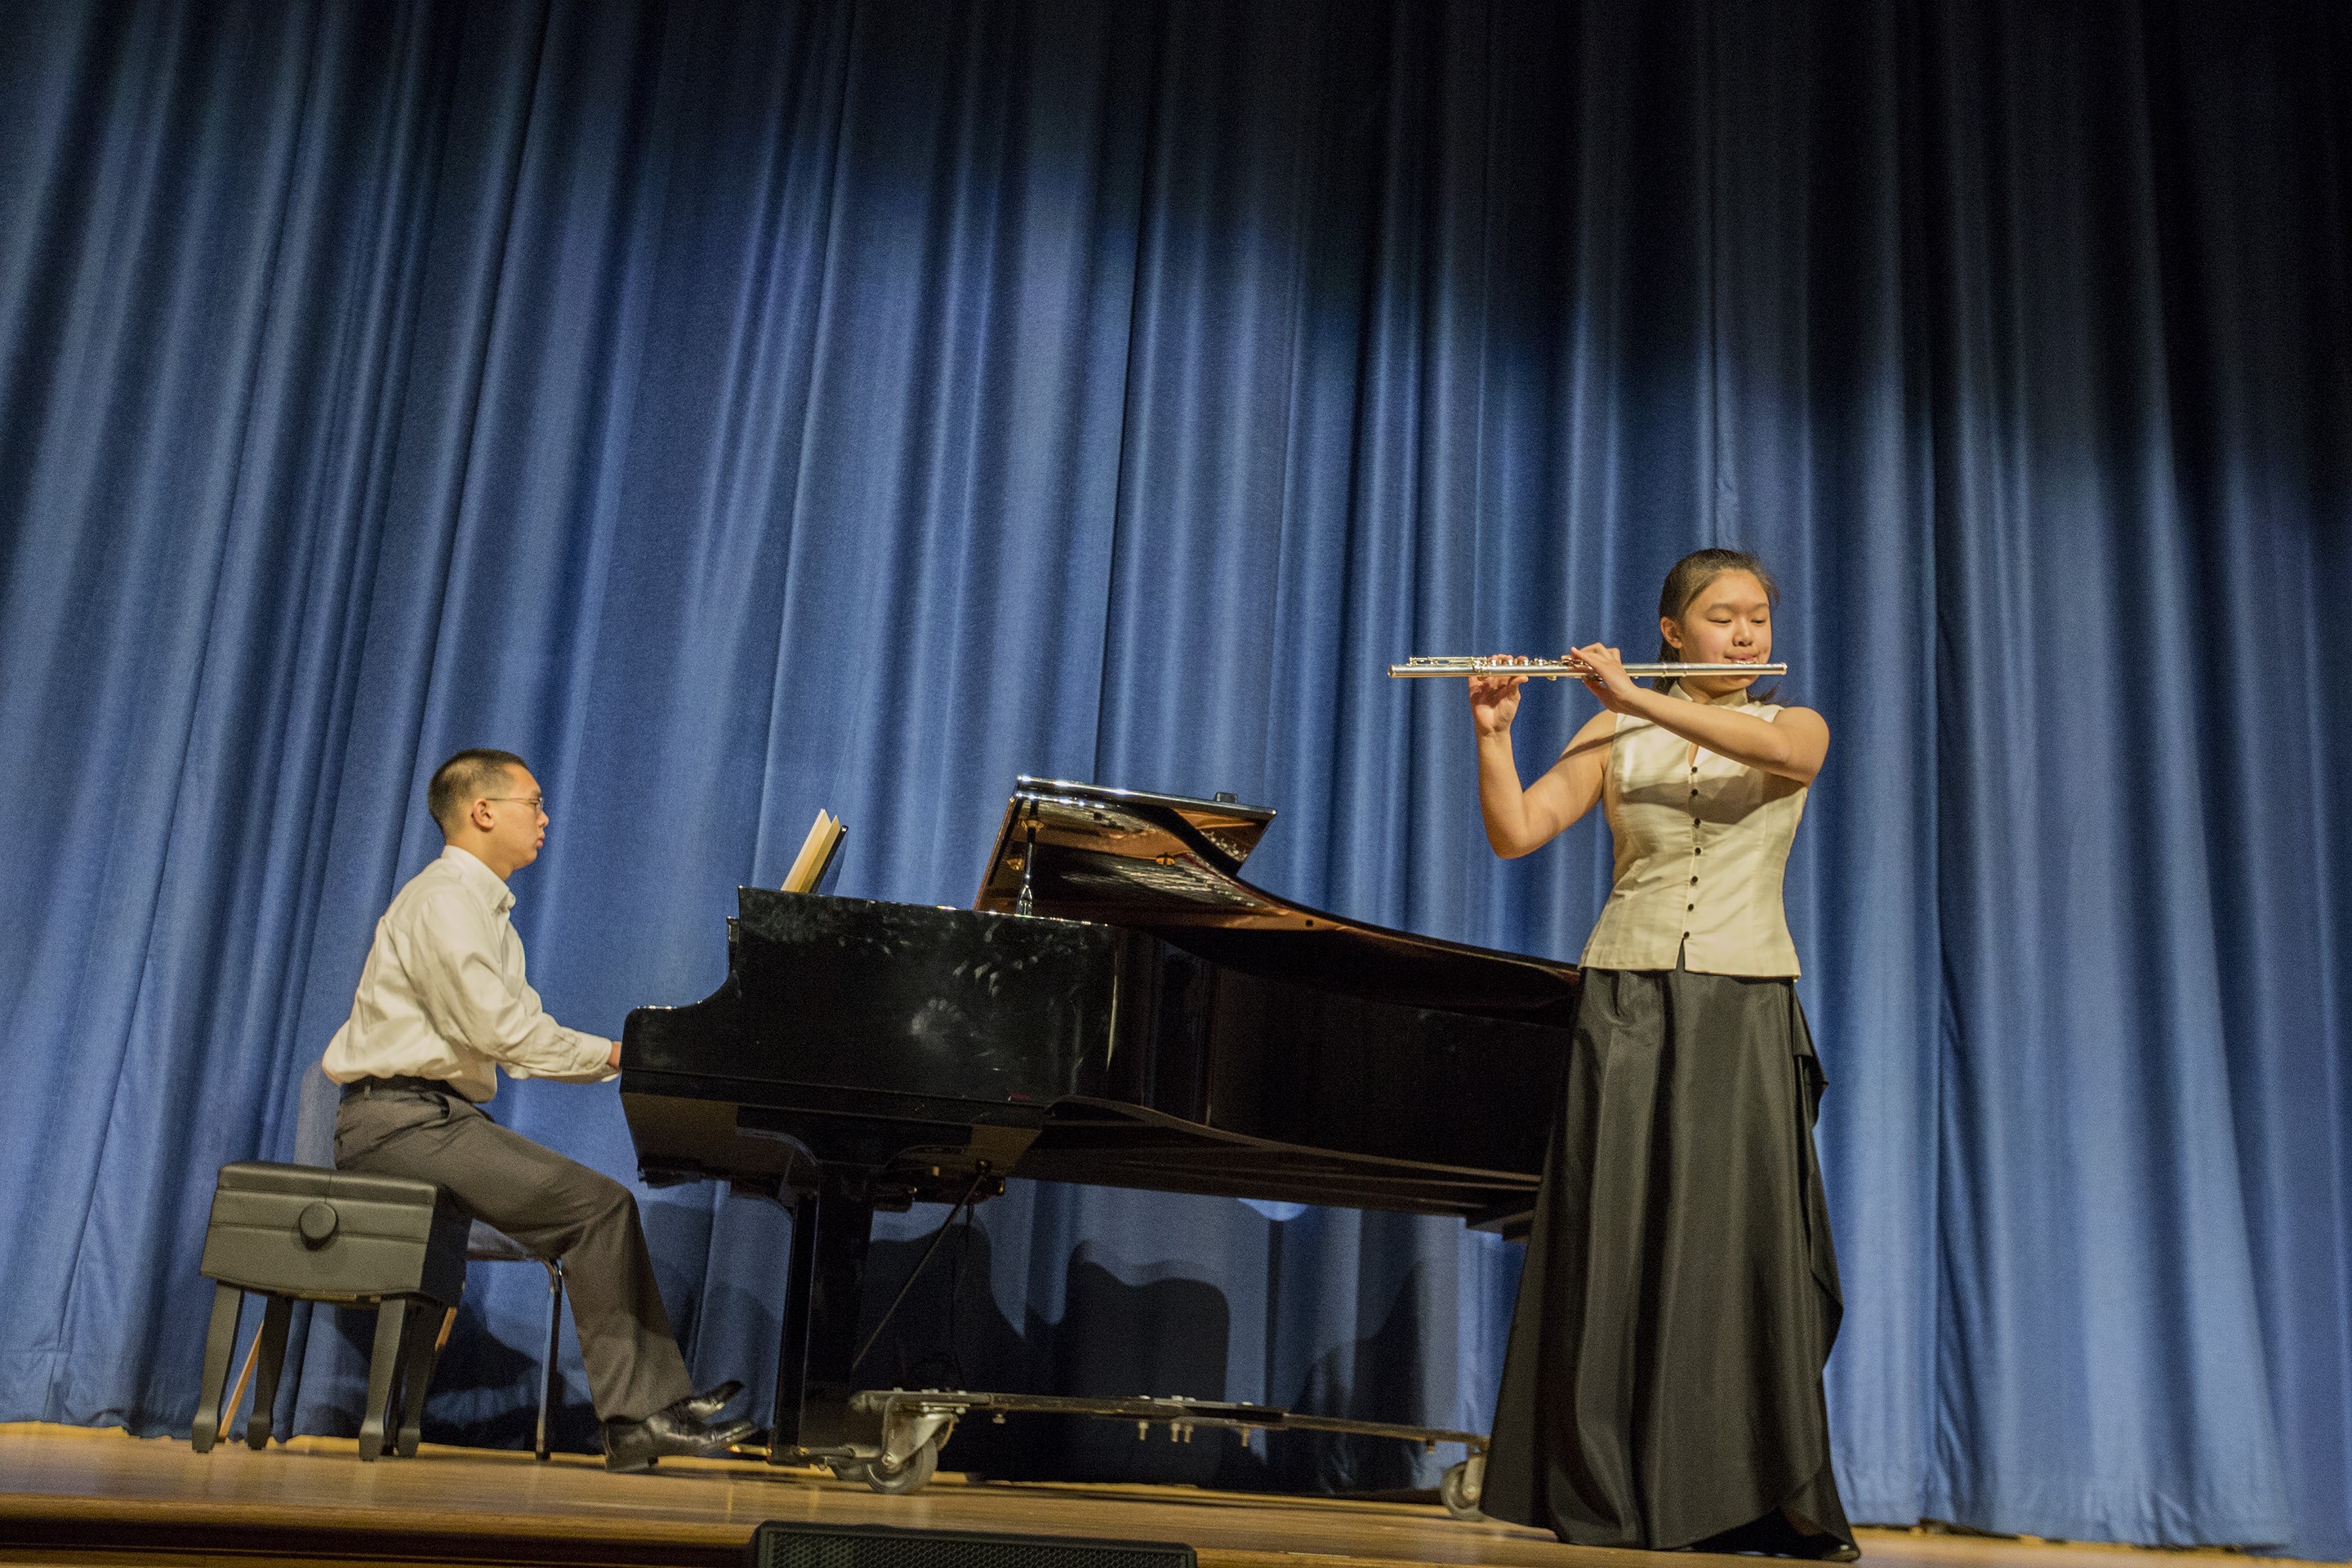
916,1424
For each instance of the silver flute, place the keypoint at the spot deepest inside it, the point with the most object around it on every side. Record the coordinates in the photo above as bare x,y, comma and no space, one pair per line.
1556,669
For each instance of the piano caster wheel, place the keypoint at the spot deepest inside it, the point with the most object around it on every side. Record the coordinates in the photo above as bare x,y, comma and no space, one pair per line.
920,1466
1460,1487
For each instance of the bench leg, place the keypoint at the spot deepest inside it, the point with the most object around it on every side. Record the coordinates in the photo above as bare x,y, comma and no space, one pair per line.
539,1446
383,1363
220,1344
416,1362
274,1319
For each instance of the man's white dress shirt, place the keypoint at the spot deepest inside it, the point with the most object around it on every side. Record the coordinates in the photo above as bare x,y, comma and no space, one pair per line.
444,995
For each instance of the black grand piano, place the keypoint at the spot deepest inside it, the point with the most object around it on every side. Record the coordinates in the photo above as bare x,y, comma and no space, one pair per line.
1117,1007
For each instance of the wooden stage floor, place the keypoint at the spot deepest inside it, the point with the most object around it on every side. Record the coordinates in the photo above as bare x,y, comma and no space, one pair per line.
96,1498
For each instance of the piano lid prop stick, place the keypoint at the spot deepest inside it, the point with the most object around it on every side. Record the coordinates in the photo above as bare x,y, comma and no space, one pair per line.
1456,666
1025,904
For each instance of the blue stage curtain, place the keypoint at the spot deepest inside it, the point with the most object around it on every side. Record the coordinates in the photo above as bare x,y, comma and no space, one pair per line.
741,408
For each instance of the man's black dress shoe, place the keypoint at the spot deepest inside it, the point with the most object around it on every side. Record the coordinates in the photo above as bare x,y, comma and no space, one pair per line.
706,1406
636,1444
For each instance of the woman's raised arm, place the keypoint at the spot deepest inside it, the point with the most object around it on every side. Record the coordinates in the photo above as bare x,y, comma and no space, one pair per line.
1794,745
1519,820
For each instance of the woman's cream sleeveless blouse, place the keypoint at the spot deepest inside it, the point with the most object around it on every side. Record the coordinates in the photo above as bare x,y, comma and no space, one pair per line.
1701,848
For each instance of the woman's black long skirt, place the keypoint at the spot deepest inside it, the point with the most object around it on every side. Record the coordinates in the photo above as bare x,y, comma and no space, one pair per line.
1664,1382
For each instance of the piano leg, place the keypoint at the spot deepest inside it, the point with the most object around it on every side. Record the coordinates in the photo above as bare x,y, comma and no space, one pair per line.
822,1297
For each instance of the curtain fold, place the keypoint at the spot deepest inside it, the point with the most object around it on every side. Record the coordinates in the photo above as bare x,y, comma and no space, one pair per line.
741,408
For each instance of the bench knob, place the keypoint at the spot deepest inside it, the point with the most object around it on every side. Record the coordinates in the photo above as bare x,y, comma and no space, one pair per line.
317,1223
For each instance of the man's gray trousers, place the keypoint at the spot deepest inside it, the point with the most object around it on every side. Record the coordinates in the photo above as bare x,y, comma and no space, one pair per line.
554,1206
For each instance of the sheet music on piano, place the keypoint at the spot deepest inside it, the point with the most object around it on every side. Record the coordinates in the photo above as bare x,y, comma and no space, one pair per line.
817,855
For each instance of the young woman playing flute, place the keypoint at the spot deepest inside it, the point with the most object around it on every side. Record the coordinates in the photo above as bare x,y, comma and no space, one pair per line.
1664,1382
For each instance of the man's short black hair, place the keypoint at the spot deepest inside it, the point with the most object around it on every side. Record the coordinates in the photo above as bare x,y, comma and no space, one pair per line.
466,778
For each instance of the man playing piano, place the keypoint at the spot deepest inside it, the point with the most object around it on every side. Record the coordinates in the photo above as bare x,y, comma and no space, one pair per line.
442,1005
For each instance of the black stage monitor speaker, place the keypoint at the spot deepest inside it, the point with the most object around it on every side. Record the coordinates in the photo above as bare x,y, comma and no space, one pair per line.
779,1544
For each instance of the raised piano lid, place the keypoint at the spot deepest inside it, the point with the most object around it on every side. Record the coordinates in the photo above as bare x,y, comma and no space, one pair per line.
1136,820
1170,865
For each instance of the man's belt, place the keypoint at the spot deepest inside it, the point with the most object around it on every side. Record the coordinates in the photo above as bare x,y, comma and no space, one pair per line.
397,1083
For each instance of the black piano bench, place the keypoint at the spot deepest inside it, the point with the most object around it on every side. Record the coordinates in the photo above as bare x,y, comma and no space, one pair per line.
299,1233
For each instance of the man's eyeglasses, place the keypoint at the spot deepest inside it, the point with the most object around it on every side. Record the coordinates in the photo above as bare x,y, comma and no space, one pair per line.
536,802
